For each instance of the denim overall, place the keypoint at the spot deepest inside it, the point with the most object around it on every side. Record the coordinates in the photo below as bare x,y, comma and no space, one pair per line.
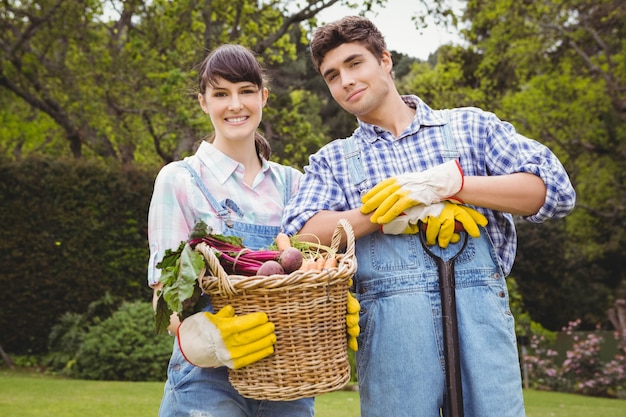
206,392
400,361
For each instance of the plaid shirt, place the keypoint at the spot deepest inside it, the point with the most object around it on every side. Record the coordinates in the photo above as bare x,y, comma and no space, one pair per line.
177,202
487,146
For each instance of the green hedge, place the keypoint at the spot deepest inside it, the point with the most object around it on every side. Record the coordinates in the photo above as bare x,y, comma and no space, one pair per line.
71,231
124,347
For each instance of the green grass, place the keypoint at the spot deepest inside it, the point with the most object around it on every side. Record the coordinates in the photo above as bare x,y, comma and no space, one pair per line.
556,404
34,395
30,395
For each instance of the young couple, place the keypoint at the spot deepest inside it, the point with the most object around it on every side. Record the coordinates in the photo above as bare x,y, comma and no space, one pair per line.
404,163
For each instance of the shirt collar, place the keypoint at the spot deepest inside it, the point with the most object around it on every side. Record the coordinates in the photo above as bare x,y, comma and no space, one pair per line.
221,165
424,116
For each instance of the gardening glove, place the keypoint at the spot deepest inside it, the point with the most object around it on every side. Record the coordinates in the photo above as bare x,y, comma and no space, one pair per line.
441,229
352,321
211,340
407,222
394,195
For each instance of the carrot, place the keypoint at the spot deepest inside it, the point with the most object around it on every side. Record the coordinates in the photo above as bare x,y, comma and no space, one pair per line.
282,241
319,263
306,265
330,262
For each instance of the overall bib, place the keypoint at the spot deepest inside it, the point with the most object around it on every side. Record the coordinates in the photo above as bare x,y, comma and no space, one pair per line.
191,391
400,361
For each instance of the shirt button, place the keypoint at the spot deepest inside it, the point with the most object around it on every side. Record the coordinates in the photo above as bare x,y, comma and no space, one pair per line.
496,275
362,290
501,294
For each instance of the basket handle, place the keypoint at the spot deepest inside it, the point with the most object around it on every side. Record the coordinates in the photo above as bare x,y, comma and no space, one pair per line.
345,226
223,282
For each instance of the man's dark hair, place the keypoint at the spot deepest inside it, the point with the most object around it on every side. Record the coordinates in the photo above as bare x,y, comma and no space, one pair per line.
346,30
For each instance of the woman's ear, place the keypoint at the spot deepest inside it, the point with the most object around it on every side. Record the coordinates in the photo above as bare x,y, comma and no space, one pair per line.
203,104
266,93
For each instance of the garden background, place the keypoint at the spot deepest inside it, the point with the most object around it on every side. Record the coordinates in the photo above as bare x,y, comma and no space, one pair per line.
98,95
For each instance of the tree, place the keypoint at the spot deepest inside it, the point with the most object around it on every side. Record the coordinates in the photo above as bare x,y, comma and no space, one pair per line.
557,71
450,83
115,76
115,80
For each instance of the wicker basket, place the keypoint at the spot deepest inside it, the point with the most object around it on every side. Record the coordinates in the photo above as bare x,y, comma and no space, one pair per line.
309,312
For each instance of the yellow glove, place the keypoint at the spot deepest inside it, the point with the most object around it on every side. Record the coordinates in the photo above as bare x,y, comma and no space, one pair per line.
391,197
407,222
441,228
211,340
352,321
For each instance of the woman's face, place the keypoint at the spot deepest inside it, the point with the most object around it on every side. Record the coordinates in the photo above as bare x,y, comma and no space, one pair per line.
235,109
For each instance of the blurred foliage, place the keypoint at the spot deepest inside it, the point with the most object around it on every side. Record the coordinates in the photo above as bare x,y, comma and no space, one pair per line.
124,347
112,85
68,333
72,231
116,80
113,340
556,70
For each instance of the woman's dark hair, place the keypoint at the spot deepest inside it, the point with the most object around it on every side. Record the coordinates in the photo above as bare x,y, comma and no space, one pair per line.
234,63
346,30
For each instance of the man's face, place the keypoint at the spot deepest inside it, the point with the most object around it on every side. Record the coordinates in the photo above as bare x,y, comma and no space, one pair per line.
356,79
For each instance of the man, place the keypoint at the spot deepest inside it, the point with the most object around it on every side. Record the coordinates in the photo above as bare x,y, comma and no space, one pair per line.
406,162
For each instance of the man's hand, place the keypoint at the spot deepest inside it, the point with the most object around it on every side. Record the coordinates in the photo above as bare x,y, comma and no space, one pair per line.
211,340
441,229
407,222
391,197
440,220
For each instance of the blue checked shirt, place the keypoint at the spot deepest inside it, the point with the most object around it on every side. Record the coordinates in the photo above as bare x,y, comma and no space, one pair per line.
487,146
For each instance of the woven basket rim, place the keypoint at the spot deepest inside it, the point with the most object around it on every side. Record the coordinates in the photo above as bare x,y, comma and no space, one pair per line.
228,285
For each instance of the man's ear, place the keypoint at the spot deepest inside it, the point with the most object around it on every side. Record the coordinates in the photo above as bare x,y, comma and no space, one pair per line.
387,61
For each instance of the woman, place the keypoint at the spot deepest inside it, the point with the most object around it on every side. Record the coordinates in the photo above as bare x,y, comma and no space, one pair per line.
230,184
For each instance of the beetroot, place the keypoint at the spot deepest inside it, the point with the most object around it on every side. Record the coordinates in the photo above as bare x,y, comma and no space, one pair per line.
290,259
270,268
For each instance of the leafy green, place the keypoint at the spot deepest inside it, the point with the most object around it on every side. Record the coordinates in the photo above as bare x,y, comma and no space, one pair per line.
180,291
232,240
200,229
170,259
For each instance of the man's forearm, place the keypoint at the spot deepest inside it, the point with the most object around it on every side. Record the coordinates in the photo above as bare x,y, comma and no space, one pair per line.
521,193
322,225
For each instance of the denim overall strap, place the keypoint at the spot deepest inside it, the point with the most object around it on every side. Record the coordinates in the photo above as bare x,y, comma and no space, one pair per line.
352,155
255,236
221,209
450,152
286,175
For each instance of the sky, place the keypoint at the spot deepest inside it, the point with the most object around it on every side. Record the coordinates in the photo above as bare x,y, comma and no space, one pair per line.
394,22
